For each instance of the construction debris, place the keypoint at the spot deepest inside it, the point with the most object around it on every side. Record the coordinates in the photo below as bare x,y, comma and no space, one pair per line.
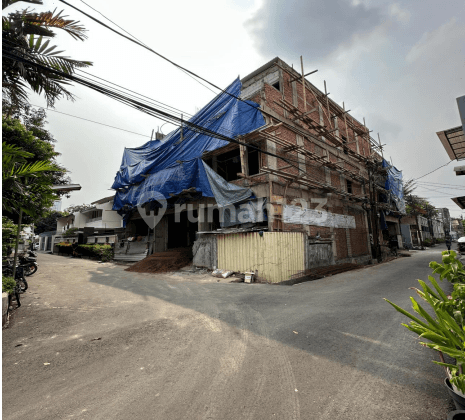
163,262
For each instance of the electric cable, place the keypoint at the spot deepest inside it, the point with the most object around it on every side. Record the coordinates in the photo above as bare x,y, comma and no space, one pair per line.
414,179
138,40
95,122
163,115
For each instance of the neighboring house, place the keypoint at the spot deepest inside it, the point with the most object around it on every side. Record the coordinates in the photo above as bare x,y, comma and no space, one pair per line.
457,228
453,141
97,224
444,217
318,205
45,240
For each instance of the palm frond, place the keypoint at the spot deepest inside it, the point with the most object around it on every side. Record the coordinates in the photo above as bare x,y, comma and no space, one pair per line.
57,20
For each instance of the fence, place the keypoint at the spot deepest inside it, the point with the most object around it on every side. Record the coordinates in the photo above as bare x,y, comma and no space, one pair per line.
276,256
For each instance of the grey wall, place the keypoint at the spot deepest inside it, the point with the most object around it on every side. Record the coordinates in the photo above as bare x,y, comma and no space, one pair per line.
319,255
205,251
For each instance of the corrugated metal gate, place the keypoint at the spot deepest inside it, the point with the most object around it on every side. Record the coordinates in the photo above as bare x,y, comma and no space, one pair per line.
276,255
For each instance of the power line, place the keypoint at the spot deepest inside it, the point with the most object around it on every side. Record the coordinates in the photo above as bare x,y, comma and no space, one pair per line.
414,179
150,110
95,122
135,41
143,45
439,184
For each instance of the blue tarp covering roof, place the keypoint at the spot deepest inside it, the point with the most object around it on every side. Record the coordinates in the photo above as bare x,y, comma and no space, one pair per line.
394,186
167,167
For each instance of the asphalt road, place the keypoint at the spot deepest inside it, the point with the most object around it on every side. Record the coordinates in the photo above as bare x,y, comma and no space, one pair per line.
93,341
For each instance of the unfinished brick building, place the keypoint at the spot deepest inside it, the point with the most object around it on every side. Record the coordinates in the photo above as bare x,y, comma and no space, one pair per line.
330,148
318,169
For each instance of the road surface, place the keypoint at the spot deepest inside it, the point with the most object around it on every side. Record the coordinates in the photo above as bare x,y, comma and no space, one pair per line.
93,341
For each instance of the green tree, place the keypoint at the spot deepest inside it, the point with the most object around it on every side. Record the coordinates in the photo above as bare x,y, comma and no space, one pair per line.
29,59
9,233
31,153
23,187
48,222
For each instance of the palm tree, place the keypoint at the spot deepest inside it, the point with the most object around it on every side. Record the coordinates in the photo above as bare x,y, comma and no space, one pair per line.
409,187
25,36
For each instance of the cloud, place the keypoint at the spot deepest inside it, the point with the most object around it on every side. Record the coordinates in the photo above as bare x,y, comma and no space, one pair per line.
433,43
314,27
396,11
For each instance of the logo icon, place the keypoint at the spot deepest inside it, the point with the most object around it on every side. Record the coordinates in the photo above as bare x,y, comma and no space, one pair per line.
157,204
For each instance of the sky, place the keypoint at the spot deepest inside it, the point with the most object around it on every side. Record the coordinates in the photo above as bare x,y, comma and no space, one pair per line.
400,65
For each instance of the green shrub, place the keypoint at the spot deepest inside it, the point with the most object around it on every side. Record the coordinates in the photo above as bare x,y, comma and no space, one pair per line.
445,331
70,232
64,244
451,268
8,284
103,251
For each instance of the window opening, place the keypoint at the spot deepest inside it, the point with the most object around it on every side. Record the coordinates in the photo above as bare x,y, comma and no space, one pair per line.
253,158
229,165
349,187
276,85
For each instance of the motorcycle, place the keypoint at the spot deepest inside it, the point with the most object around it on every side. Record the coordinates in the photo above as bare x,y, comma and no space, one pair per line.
29,263
21,282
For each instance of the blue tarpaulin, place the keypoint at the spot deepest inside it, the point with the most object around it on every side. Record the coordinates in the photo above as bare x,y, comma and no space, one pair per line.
160,169
394,186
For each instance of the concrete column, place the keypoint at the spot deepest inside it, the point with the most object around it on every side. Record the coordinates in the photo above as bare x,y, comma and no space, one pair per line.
295,101
203,220
301,157
272,162
349,244
322,121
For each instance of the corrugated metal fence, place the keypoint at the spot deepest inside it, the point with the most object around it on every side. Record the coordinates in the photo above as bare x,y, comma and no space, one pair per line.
276,255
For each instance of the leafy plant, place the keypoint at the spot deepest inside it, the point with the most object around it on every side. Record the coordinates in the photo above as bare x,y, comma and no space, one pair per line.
25,129
21,183
9,231
451,268
427,242
8,284
70,232
64,244
103,251
445,331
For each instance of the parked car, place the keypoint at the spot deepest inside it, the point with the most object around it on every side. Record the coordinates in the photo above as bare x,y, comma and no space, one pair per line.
36,246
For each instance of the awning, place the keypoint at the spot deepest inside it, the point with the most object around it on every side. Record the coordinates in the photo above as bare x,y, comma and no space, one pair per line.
453,141
460,201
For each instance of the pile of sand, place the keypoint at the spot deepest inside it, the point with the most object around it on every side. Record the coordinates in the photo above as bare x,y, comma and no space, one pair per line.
162,262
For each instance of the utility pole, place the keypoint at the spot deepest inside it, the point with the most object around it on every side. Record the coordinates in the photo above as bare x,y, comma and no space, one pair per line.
374,213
